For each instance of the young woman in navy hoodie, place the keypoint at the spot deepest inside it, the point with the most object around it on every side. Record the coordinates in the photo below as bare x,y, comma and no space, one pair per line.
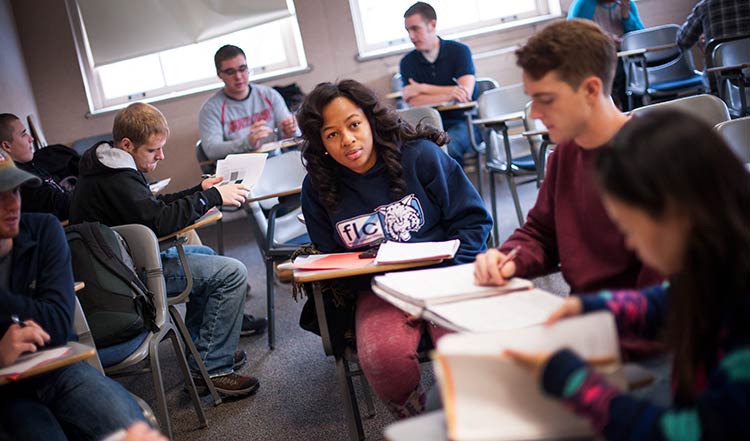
373,177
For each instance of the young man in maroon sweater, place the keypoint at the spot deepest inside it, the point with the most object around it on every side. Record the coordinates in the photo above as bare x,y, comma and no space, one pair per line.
567,72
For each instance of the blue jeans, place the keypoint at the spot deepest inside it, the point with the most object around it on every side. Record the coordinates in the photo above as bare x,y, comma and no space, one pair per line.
214,312
460,143
73,402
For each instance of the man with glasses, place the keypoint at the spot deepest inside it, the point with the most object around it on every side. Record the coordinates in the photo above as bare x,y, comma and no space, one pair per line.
241,117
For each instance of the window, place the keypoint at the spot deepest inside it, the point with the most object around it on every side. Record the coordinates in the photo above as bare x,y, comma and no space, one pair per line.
379,24
273,48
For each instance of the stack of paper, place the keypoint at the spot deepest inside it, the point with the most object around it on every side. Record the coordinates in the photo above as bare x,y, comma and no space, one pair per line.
488,397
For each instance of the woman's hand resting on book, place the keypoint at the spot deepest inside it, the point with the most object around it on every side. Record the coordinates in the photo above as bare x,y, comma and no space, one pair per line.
492,268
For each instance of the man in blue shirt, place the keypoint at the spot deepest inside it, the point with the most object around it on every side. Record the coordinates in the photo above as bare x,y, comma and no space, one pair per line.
438,71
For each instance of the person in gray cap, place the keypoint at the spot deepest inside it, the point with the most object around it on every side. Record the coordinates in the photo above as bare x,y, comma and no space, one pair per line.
36,310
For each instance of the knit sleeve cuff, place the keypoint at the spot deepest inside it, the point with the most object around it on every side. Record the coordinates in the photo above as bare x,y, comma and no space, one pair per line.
595,302
560,375
213,198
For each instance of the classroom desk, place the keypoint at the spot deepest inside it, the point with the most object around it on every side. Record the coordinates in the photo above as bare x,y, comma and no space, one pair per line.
445,107
265,148
207,219
643,51
79,352
342,366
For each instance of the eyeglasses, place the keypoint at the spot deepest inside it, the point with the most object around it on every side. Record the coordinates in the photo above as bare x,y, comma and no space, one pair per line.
231,71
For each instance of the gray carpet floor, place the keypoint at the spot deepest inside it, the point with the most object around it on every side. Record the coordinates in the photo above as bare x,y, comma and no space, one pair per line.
299,397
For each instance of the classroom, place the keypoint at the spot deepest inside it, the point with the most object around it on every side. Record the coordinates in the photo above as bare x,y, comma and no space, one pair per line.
545,181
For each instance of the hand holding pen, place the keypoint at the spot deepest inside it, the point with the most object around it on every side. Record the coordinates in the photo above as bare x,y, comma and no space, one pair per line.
20,337
460,93
494,268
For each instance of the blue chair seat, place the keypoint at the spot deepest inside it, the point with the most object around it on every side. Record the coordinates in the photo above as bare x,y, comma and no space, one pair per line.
113,355
525,163
299,240
694,81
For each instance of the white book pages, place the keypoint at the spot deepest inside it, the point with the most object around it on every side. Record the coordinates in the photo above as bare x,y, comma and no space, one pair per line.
243,168
488,397
400,252
31,360
508,311
440,285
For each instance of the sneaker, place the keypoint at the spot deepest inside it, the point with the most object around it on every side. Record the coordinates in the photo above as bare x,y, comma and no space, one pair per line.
240,358
252,325
232,385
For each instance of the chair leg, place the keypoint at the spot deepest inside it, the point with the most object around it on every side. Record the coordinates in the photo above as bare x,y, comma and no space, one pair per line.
516,202
185,334
493,201
161,399
220,236
367,396
479,173
270,306
182,361
356,432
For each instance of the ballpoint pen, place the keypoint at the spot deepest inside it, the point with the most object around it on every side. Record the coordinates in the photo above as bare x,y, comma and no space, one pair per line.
509,257
14,318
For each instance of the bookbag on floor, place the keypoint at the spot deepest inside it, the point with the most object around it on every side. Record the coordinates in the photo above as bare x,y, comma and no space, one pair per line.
117,304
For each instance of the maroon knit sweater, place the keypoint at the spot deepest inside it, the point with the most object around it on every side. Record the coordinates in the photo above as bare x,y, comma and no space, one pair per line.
569,227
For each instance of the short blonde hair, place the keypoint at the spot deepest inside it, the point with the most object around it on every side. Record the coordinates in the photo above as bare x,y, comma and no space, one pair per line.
138,122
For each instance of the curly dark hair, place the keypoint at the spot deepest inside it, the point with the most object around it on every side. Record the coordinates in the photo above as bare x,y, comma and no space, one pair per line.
389,132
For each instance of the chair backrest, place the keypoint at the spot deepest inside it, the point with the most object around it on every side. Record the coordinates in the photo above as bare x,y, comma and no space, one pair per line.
732,53
502,101
708,108
84,144
737,134
663,65
485,83
144,249
207,166
82,330
36,132
425,115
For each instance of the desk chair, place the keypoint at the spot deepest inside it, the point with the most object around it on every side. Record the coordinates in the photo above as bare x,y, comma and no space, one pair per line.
660,74
499,110
423,115
483,84
731,59
277,230
122,359
396,86
40,141
708,108
84,144
737,134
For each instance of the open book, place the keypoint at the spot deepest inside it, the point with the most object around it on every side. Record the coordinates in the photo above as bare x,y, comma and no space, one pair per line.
488,397
242,168
449,297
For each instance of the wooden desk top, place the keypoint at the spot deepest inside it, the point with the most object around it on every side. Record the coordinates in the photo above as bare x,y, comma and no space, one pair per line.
207,219
302,276
79,352
444,107
498,119
646,50
278,194
530,133
77,286
394,95
732,67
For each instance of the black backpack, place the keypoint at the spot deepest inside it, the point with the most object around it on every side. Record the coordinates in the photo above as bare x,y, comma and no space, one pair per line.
117,305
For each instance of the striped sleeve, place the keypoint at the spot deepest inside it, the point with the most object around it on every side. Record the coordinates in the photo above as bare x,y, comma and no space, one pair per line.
719,413
639,314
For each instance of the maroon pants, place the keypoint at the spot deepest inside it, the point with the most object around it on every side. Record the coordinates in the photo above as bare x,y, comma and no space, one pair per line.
387,343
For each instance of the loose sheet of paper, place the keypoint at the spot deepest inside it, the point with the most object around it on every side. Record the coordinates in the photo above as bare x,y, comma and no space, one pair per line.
243,168
331,261
30,360
399,252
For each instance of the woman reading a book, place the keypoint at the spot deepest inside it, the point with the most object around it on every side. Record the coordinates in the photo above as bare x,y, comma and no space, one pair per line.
373,177
682,200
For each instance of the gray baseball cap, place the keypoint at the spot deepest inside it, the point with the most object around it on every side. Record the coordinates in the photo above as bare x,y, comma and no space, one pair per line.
12,176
